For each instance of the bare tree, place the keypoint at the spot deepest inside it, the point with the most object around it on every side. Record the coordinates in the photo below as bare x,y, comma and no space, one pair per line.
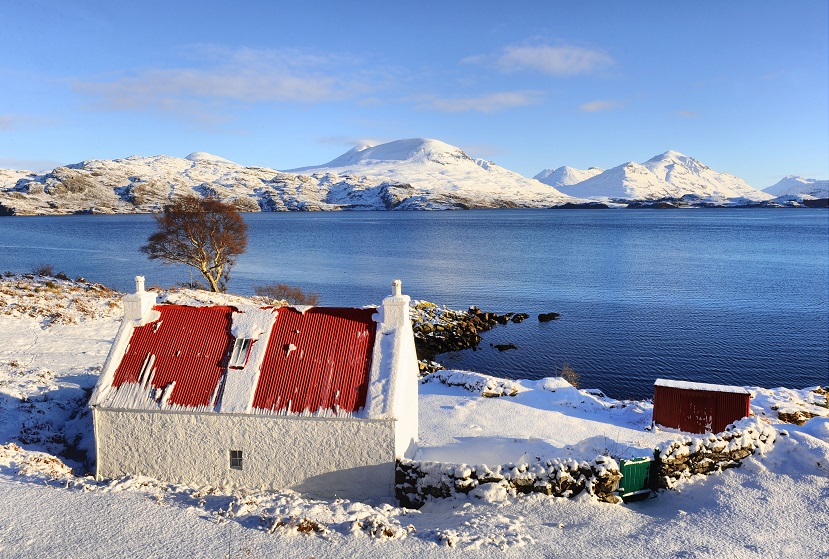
204,233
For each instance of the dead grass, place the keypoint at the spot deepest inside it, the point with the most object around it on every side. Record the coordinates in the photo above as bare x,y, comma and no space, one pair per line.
569,374
56,301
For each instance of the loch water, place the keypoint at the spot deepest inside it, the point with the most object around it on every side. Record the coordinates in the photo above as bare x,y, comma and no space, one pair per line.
733,296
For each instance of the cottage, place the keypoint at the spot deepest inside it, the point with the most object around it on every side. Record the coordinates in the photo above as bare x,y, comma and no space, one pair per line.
318,400
698,407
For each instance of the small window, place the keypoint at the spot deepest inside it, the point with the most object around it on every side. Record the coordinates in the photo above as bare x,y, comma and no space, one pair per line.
239,356
235,459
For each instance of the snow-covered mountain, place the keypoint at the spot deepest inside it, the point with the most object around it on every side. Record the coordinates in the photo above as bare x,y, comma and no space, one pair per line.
408,174
670,175
443,174
565,176
412,174
799,188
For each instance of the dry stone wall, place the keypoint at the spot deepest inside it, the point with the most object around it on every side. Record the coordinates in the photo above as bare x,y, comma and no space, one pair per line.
416,481
687,456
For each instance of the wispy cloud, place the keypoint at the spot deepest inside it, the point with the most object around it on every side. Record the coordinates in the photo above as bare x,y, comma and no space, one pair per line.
6,122
484,103
350,141
220,75
600,106
39,165
560,60
687,114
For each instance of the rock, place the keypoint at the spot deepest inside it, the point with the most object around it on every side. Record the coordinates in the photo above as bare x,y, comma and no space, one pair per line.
520,317
798,417
505,347
440,330
547,317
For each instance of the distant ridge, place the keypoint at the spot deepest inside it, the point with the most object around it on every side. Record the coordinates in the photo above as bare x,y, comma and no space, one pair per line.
799,188
408,174
670,175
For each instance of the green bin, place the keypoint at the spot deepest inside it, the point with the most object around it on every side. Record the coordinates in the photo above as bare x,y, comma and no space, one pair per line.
636,478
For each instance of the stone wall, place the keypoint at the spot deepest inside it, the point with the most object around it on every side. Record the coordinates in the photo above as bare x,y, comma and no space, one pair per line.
673,461
416,481
687,456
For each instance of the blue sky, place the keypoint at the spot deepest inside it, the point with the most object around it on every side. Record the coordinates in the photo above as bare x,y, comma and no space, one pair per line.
743,86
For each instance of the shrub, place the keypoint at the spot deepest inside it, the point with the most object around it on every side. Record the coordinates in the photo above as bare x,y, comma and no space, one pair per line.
294,295
44,270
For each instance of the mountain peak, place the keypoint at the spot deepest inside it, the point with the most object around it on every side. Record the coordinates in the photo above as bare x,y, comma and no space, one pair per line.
204,156
670,155
412,150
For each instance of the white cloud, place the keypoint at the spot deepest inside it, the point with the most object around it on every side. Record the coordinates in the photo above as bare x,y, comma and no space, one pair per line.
39,165
687,114
562,60
600,105
484,103
350,141
221,75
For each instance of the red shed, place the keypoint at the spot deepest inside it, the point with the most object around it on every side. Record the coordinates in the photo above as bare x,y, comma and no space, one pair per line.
697,407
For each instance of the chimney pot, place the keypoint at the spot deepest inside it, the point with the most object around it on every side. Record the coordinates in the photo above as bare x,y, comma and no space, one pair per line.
397,288
139,284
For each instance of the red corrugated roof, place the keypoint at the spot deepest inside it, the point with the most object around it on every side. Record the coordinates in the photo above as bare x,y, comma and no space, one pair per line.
317,360
190,345
330,366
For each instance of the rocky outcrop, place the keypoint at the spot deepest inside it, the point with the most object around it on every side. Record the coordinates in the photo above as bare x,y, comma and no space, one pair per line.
439,330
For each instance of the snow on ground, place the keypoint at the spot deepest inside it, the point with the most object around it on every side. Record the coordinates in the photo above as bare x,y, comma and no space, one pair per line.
55,340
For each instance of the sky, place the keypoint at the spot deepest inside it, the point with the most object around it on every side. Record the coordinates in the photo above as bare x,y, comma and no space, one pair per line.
742,86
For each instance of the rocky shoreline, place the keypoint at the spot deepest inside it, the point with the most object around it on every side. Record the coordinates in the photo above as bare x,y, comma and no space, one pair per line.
438,329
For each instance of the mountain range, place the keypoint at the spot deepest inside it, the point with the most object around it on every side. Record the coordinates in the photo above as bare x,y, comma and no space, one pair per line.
412,174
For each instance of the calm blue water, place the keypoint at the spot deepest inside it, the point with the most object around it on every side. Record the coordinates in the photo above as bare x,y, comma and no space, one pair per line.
727,296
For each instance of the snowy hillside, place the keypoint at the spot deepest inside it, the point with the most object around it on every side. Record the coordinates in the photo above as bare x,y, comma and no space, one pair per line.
56,335
409,174
144,184
799,188
412,174
443,174
670,175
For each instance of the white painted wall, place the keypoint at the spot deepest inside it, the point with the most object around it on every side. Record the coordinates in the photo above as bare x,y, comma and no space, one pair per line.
393,385
320,457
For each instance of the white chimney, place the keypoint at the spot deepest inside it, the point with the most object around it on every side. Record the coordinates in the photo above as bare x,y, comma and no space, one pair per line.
137,306
399,361
396,306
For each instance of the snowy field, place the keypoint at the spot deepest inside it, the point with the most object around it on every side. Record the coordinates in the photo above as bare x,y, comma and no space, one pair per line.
55,336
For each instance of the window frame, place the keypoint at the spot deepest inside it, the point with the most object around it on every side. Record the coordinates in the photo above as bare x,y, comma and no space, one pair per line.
236,459
239,354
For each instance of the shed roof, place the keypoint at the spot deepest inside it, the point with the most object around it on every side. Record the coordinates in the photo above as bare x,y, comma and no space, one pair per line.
314,362
686,385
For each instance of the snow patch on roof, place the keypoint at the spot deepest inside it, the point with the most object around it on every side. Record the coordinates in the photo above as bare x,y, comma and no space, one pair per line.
250,322
686,385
